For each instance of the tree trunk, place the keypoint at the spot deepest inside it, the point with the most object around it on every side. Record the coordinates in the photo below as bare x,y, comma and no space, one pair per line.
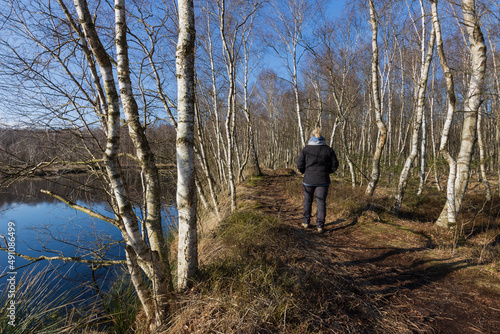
254,167
422,156
473,100
152,259
480,142
202,157
186,189
448,215
382,137
162,282
472,103
422,87
231,97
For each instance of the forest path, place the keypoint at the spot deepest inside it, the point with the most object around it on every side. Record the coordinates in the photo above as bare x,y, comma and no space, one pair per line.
391,267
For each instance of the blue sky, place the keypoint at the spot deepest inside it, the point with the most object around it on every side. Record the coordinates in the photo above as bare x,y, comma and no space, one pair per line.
335,7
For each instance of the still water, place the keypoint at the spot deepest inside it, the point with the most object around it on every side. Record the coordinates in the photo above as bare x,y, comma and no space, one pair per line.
44,226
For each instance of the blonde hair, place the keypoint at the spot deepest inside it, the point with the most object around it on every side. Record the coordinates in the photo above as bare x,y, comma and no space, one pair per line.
316,132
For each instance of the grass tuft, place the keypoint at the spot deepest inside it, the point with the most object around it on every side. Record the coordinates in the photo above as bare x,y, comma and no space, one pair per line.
42,305
246,289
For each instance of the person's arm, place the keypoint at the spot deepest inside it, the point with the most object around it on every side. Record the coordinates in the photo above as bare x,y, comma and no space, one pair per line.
334,162
301,162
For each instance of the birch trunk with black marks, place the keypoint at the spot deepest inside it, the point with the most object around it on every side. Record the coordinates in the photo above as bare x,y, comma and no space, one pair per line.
187,261
422,87
151,258
253,166
480,142
472,103
382,129
231,100
473,99
205,166
448,216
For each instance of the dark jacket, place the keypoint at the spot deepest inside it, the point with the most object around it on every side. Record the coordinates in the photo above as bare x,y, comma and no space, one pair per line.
317,161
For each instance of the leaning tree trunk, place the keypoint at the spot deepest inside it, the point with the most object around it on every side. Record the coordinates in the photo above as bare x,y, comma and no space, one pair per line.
482,167
187,261
382,129
403,179
150,258
472,103
473,100
448,216
161,278
229,55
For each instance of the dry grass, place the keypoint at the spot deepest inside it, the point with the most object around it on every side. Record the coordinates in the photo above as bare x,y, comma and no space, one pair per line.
256,280
261,275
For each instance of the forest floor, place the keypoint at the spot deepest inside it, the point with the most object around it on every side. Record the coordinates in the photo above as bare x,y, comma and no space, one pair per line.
373,272
397,262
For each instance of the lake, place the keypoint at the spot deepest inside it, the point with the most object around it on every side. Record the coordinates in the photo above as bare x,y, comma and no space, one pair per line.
45,226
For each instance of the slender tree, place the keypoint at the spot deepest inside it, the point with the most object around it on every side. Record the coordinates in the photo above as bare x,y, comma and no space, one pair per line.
417,125
382,129
450,218
186,189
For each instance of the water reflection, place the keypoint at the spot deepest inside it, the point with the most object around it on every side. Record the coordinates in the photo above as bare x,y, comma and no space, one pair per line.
45,226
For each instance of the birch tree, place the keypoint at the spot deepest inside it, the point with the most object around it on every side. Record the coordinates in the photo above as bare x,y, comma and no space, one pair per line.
473,99
451,108
186,189
421,90
472,103
230,37
107,88
252,157
338,56
375,85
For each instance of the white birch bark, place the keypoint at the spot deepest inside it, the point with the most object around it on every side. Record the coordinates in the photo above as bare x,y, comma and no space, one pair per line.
145,157
382,129
433,140
473,100
150,259
219,148
202,157
229,56
472,103
422,156
480,143
187,262
448,216
495,102
254,166
422,87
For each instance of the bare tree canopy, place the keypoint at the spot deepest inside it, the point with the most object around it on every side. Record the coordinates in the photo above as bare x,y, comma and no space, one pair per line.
195,97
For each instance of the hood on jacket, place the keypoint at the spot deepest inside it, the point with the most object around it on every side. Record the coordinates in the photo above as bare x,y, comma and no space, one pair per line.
316,141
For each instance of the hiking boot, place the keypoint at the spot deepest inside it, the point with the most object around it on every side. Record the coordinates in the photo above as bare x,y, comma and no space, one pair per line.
321,230
305,225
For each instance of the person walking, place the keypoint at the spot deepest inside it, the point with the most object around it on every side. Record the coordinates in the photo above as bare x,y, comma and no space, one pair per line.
316,161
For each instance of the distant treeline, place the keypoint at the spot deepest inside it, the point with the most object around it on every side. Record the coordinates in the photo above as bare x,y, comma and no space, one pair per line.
69,163
64,151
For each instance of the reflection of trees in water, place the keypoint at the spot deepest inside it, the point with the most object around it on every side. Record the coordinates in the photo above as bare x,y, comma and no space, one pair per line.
89,188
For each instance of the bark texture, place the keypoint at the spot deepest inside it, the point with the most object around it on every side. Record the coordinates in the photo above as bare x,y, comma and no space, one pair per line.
382,129
422,87
186,188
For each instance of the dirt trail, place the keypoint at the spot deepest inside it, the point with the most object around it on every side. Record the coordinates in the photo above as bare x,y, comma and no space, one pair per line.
392,267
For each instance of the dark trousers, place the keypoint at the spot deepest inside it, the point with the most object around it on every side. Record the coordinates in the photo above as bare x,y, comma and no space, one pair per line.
309,193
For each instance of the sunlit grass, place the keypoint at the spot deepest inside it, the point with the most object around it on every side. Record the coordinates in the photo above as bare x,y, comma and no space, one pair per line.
42,305
245,288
